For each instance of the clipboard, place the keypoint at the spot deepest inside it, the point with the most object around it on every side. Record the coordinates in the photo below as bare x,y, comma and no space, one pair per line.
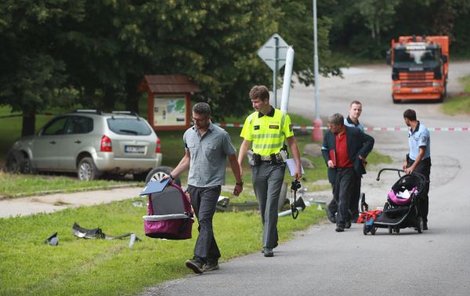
154,187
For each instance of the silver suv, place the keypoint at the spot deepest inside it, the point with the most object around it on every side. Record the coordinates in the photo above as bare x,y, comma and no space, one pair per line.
90,143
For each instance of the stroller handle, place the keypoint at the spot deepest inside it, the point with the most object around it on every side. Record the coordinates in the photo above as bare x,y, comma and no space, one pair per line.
399,172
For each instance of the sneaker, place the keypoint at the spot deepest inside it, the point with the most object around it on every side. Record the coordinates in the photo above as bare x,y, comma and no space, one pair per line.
195,266
209,266
331,217
268,252
339,228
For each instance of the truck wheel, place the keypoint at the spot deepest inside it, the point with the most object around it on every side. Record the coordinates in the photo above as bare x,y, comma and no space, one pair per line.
87,170
158,173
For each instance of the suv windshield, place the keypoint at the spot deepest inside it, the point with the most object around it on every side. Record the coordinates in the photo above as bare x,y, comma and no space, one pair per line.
128,126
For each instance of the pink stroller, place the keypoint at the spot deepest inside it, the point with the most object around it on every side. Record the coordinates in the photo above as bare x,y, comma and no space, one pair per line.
401,209
169,211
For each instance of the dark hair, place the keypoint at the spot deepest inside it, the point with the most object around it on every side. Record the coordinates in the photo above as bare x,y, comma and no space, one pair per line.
202,109
259,92
410,114
336,119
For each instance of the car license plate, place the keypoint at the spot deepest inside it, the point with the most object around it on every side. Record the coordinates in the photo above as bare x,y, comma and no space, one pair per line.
134,149
416,90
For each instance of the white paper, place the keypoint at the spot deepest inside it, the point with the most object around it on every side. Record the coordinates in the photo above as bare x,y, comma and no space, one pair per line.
292,168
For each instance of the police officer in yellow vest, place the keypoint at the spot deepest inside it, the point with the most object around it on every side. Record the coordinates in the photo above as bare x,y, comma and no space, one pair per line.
266,130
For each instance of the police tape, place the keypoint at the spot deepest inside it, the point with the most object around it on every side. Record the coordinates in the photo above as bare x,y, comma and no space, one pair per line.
367,129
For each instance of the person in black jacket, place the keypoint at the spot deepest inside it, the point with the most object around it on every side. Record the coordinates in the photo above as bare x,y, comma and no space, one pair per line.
345,150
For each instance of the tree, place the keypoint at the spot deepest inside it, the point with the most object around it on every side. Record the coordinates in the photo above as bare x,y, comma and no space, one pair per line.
97,52
378,16
31,75
296,24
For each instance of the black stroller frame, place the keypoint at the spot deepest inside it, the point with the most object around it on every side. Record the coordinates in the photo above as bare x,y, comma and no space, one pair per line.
396,217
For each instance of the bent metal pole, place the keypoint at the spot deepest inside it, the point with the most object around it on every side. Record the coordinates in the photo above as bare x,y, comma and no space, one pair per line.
287,79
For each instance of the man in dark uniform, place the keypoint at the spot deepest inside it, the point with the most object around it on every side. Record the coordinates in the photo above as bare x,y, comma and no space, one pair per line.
344,150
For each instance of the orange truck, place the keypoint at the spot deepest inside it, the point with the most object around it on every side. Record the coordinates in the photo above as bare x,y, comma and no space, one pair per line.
420,67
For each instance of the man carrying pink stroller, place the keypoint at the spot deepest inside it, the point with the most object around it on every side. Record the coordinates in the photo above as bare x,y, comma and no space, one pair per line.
207,147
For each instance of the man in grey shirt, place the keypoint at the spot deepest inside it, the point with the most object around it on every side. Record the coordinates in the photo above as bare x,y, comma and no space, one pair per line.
206,150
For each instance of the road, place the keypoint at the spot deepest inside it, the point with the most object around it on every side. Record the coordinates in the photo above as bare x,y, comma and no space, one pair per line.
320,261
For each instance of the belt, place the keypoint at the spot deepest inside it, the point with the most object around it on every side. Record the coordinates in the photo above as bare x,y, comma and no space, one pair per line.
268,157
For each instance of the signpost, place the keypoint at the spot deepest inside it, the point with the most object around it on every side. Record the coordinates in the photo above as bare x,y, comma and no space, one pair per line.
273,53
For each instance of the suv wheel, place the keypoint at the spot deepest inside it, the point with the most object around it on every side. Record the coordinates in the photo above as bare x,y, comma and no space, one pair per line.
15,162
87,170
158,173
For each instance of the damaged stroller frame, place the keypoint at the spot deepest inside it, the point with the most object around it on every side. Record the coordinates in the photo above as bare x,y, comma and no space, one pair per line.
401,208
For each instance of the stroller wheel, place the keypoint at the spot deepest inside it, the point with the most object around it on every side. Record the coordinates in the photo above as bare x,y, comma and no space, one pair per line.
365,229
373,230
419,224
390,230
396,230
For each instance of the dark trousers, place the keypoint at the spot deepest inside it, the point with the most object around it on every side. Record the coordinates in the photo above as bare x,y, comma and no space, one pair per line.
267,182
424,168
204,201
342,194
354,196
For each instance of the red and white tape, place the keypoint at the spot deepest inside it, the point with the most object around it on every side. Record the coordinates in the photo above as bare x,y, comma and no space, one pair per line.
368,129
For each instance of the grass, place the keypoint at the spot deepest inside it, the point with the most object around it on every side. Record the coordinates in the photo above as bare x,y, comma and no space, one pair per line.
12,186
459,104
109,267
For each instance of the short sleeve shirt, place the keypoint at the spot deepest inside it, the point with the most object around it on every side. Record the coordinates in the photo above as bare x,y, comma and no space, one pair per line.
208,155
419,138
267,132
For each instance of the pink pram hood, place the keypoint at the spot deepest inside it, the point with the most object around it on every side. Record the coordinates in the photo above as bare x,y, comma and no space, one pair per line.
402,198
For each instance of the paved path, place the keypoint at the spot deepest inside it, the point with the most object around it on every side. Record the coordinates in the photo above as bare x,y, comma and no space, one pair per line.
59,201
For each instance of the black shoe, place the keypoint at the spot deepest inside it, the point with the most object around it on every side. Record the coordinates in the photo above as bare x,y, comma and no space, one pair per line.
425,225
347,225
331,217
268,252
209,266
339,228
195,266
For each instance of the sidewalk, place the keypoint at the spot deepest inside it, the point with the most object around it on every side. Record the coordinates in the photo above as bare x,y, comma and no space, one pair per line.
55,202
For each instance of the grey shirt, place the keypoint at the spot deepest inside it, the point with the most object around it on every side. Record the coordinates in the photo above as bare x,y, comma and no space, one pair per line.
208,155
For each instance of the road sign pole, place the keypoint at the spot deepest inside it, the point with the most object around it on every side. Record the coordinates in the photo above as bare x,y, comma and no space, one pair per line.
276,64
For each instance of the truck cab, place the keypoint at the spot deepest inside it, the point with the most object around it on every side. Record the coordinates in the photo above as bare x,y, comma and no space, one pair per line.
419,68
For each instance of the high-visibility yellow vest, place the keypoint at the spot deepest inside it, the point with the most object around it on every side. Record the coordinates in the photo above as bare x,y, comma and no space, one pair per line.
267,133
